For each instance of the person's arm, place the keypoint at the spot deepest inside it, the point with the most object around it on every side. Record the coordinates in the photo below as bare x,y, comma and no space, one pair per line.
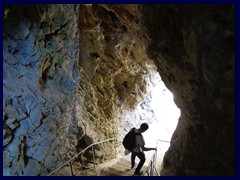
142,144
147,149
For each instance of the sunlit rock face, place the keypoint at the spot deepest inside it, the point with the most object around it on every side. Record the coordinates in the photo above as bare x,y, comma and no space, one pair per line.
74,75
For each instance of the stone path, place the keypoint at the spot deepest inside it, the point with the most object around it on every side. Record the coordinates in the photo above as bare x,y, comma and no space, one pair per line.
121,167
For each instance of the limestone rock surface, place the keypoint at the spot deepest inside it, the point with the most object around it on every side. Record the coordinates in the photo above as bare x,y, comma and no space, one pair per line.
75,74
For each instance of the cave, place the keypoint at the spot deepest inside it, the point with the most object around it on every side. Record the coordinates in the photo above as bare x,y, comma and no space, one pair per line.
75,74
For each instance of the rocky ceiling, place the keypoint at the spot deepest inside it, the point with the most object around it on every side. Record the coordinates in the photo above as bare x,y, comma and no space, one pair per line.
71,73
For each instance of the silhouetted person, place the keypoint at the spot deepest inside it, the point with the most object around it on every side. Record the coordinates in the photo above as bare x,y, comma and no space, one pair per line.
140,147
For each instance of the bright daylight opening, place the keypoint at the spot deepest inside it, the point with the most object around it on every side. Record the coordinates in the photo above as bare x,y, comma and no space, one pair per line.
166,118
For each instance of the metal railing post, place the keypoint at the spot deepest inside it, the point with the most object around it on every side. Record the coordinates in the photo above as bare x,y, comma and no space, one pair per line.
156,171
115,151
151,169
71,168
93,156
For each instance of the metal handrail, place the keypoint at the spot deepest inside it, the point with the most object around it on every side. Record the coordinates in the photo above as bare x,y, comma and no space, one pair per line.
152,163
91,145
162,141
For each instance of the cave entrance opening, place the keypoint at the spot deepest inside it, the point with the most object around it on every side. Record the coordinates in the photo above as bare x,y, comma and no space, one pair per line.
165,115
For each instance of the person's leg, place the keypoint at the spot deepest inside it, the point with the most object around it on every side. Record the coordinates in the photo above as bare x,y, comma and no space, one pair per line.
142,158
133,156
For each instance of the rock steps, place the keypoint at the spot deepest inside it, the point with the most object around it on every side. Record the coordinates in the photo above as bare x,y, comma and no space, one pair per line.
120,168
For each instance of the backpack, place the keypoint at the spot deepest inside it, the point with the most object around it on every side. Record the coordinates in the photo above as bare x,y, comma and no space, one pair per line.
129,141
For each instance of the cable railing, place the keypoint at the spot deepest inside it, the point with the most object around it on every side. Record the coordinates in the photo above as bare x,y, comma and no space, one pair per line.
152,164
73,158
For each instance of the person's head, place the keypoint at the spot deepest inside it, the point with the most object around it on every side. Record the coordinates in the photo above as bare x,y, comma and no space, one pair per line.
143,127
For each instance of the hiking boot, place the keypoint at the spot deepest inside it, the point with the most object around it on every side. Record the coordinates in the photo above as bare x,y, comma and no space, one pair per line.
139,174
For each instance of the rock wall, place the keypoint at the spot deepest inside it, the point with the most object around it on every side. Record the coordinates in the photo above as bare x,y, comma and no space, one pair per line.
193,47
75,74
40,80
72,76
